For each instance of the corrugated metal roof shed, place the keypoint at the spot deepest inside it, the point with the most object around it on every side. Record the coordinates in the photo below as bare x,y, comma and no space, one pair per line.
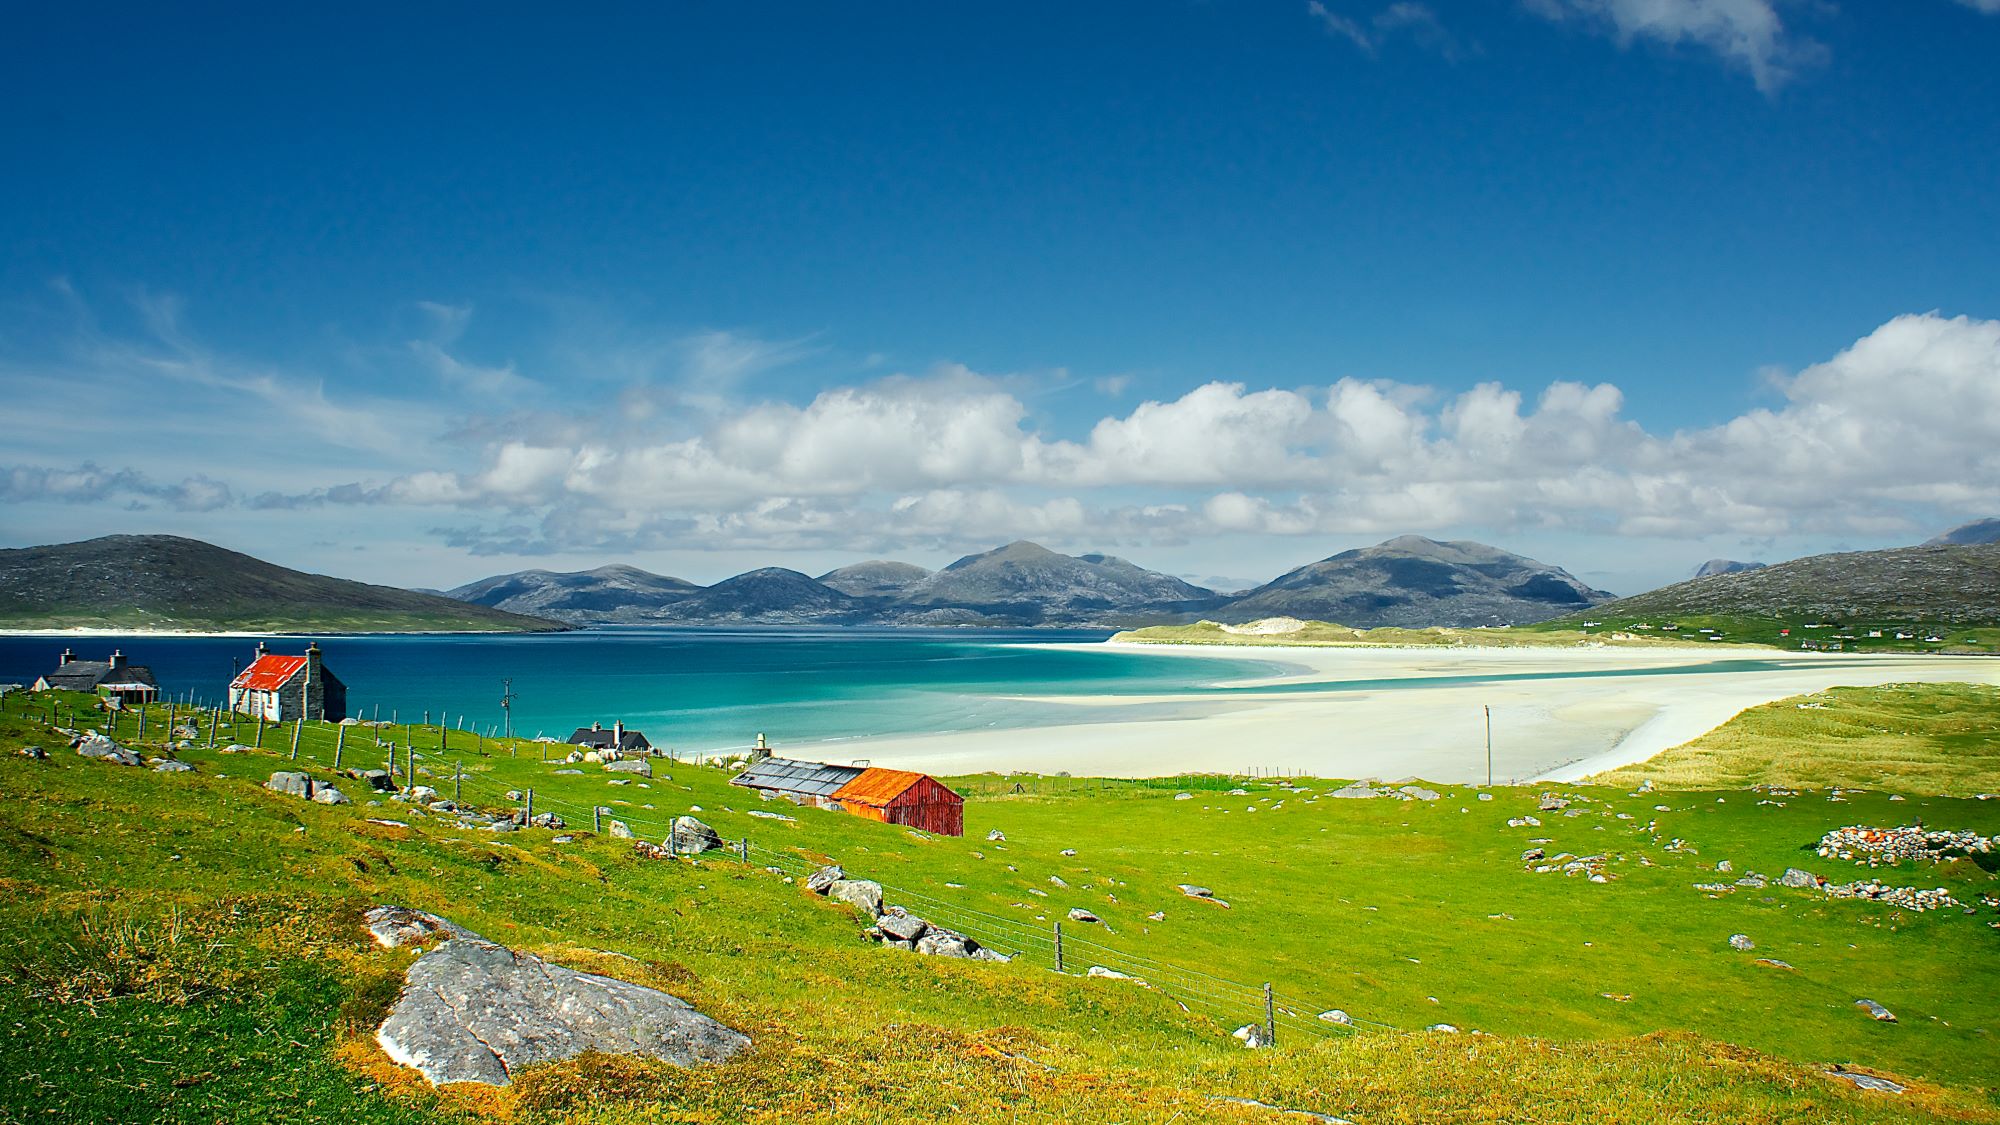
783,775
268,673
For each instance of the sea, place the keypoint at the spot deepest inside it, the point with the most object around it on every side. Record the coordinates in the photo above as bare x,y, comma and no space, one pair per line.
691,690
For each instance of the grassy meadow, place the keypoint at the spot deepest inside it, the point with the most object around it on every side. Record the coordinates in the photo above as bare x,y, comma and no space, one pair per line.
1912,738
185,947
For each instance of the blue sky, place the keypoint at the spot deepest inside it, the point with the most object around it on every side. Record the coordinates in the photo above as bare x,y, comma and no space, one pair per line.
418,296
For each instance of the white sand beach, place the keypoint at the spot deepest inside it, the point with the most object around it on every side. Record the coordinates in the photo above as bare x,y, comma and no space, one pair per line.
1558,714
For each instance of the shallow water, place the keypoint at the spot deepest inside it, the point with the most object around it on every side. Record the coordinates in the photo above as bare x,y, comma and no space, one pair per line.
692,689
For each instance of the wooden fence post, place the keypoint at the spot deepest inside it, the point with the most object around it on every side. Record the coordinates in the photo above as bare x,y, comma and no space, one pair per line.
457,780
260,730
339,744
214,719
528,807
1059,956
298,726
1270,1018
597,818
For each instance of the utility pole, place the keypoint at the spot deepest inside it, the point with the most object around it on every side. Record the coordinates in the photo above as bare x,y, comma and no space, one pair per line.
1489,745
507,705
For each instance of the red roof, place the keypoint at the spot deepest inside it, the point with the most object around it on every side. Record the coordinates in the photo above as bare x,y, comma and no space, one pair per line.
269,673
879,787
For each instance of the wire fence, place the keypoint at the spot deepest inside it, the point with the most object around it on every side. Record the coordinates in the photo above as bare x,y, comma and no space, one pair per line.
1196,991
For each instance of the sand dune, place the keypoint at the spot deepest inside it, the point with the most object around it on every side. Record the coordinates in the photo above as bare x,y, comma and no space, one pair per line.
1389,713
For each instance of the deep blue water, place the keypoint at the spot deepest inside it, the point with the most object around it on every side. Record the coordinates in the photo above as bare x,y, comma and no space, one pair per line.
689,689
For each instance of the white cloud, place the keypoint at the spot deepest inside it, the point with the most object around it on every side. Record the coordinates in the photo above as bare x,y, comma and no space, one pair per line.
1747,33
1990,7
1894,430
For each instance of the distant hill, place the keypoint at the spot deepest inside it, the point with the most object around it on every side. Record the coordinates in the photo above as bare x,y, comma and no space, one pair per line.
771,596
1724,566
1969,534
1935,585
874,579
607,594
1413,582
167,582
1027,584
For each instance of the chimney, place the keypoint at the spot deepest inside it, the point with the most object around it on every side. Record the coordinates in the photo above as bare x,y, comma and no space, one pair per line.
618,734
117,660
261,650
312,660
760,751
66,657
597,726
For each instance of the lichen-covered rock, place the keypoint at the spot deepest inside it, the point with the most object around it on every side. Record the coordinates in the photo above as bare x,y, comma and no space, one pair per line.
1876,1011
1797,879
473,1011
323,794
945,943
692,837
171,765
825,877
94,745
397,926
862,894
637,766
618,829
290,784
903,927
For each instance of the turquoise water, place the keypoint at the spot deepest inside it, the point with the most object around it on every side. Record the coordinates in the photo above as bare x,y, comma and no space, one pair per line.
688,689
716,689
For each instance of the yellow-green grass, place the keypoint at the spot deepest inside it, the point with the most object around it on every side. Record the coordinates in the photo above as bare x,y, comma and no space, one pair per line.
184,947
1906,738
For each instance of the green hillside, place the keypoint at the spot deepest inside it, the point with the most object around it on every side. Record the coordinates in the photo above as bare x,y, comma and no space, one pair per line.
1910,599
167,582
185,947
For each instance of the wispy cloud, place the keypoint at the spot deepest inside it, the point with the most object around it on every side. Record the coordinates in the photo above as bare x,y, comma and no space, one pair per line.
1405,18
1746,33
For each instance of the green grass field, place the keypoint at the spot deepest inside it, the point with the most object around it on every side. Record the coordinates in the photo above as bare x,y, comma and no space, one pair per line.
184,947
1909,738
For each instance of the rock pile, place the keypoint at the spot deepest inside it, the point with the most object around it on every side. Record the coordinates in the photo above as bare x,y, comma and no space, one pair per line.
1913,899
306,787
1875,846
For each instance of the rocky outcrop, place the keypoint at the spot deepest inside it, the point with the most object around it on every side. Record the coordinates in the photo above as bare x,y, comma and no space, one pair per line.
862,894
692,837
475,1011
393,927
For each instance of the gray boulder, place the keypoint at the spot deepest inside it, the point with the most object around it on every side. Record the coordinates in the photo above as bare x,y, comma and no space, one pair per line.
473,1011
691,836
378,780
290,784
94,745
619,829
825,877
1079,914
35,752
903,927
170,765
630,765
1741,942
1360,790
1420,793
1797,879
397,926
862,894
323,794
996,837
1193,891
945,943
422,794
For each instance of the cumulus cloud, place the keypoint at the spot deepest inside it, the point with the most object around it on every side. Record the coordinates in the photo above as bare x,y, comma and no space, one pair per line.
90,484
1892,431
1990,7
1747,33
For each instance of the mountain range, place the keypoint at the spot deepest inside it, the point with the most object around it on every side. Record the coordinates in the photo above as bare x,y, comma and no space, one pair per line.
1405,581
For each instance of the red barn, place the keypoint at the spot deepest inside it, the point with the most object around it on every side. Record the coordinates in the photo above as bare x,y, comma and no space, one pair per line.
890,796
914,800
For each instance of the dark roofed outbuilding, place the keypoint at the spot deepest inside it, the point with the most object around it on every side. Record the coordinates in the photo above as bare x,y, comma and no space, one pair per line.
624,741
804,779
113,678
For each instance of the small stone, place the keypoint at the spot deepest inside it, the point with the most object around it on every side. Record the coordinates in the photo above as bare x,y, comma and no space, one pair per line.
1079,914
996,837
1335,1015
1797,879
825,877
618,829
169,765
1741,942
1867,1081
1069,851
1876,1011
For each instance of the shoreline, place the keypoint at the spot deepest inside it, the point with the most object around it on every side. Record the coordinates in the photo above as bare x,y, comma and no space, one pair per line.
1558,713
